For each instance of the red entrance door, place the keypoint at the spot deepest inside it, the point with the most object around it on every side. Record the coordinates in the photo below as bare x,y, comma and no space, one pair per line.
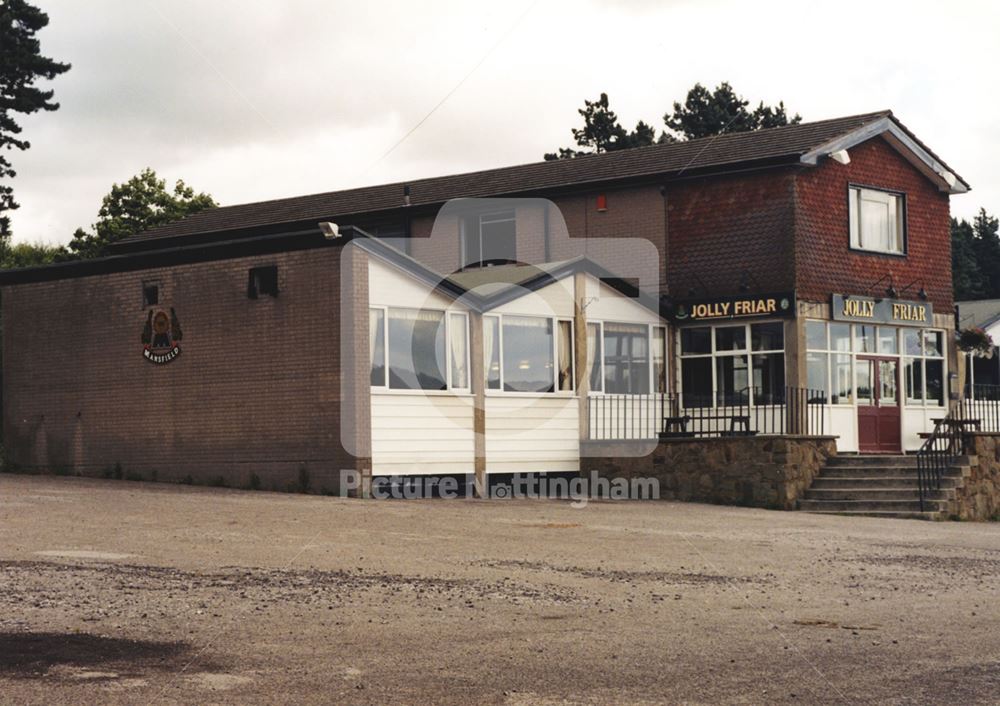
876,382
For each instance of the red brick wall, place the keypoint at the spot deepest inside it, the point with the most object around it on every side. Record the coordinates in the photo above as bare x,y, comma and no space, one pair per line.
255,389
720,226
824,262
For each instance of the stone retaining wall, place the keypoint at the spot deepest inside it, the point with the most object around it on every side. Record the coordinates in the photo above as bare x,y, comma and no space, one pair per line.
978,498
759,471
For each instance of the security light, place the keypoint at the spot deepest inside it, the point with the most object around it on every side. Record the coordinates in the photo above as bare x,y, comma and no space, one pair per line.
331,231
841,156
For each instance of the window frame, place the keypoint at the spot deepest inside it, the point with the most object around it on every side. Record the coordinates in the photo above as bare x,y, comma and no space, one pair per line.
651,362
901,356
714,354
449,388
478,219
902,222
556,392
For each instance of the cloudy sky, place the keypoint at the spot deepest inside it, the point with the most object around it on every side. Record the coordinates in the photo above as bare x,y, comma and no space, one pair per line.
258,100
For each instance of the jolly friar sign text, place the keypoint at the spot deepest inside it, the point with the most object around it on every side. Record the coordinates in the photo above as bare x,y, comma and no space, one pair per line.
882,311
735,307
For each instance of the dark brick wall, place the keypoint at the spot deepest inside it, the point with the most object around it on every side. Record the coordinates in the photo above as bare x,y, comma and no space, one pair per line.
720,227
635,212
255,389
823,260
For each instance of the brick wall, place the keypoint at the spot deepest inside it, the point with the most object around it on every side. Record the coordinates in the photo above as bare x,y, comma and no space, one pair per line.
823,260
255,389
634,212
720,227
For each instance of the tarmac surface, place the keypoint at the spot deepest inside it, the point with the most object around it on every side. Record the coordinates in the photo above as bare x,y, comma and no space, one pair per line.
128,592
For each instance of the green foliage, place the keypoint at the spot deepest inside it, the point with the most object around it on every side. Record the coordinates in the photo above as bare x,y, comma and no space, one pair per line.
601,132
30,255
975,257
704,113
21,64
134,206
719,112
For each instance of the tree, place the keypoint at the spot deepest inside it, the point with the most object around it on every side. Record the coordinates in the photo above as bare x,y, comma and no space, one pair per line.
706,113
975,257
137,205
967,278
30,255
601,132
986,245
21,64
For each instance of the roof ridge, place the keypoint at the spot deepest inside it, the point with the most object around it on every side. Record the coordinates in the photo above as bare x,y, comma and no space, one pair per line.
521,165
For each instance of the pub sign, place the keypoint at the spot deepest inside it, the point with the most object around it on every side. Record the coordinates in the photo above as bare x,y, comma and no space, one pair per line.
898,312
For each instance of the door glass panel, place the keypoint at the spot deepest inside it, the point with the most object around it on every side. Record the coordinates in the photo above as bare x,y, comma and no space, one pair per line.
887,383
863,381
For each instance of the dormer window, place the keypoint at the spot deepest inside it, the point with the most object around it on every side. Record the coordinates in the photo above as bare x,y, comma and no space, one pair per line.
877,220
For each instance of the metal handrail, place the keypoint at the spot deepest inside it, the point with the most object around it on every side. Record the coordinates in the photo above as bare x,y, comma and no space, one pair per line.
939,452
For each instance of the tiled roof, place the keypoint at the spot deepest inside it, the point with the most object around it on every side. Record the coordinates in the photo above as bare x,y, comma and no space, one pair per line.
762,146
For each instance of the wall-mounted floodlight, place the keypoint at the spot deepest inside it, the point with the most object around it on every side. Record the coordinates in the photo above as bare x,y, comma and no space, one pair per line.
841,156
331,231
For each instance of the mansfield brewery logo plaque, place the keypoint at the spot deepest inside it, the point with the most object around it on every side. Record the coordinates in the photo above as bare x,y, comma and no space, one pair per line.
161,336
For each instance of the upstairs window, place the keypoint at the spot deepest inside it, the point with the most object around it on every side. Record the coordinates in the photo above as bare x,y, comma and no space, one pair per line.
490,238
877,220
262,281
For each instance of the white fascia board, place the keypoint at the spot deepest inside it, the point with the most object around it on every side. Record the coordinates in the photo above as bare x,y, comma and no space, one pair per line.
902,142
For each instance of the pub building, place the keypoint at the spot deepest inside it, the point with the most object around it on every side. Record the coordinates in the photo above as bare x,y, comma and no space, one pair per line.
246,343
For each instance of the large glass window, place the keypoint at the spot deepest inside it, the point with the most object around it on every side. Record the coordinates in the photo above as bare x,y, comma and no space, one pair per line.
922,360
527,352
626,358
923,367
733,364
416,350
876,220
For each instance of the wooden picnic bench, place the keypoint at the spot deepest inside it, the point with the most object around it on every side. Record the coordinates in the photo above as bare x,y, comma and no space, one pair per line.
676,426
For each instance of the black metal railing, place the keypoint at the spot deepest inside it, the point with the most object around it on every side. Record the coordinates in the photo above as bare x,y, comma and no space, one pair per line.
941,450
982,402
748,412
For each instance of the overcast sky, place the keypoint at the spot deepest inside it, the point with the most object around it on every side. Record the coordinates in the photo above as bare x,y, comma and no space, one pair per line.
258,100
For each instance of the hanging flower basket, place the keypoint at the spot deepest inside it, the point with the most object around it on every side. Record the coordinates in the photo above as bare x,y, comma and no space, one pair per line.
976,341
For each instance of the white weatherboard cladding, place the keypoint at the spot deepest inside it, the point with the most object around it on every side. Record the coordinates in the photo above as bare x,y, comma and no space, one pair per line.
388,286
532,433
416,433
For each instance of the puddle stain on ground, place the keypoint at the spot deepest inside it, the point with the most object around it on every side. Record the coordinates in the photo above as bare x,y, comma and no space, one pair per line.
80,656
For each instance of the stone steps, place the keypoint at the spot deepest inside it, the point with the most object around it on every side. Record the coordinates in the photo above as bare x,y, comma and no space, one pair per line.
877,481
883,505
880,486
